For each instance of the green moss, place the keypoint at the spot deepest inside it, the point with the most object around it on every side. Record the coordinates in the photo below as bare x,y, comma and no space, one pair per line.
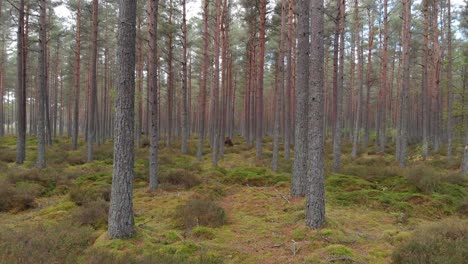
338,250
256,176
203,232
299,234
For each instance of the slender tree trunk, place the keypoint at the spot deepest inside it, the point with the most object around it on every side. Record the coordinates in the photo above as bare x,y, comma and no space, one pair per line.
261,68
21,90
41,163
424,97
357,119
170,84
76,114
276,110
121,221
339,93
185,113
366,112
201,132
449,84
139,69
153,93
215,101
93,79
315,209
384,81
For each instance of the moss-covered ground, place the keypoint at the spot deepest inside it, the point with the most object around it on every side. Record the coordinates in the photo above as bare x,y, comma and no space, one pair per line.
373,206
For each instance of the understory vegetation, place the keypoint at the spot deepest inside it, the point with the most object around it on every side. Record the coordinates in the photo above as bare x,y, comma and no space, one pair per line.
239,212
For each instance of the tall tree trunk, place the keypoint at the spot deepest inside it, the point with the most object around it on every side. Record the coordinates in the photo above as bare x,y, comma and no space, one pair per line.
449,84
92,108
384,81
367,111
21,90
287,90
41,163
261,68
185,113
201,131
215,99
153,93
170,84
405,81
339,92
76,114
139,68
276,110
424,86
121,221
357,120
315,209
299,182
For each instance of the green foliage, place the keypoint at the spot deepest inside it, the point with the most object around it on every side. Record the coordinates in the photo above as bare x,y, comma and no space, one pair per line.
443,242
197,212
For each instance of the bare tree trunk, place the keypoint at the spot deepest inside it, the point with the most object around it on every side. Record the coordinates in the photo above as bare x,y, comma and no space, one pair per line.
339,92
261,68
201,132
366,112
315,208
299,182
41,163
76,114
185,123
153,95
93,79
21,90
215,99
357,120
403,118
424,95
384,84
277,110
139,69
121,221
449,84
170,84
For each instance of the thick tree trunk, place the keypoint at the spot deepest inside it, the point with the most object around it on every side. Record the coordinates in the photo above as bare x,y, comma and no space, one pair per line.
315,208
121,221
403,117
299,183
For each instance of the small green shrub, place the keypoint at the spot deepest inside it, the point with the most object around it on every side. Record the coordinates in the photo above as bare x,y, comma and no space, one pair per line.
99,256
179,177
19,198
45,243
444,242
83,195
93,213
8,155
423,177
203,232
200,213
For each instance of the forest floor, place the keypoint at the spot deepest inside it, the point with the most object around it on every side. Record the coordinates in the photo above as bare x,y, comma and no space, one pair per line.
239,212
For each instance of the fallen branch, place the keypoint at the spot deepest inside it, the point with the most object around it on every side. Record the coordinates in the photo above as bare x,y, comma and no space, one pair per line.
282,196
